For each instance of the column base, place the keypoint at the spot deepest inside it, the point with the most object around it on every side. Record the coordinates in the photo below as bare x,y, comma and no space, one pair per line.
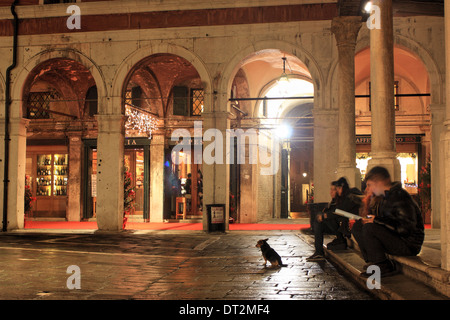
388,161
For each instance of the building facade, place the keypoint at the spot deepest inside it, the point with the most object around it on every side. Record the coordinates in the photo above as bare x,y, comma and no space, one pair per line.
99,88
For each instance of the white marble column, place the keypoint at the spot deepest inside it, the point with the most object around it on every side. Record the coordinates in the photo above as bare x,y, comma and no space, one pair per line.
346,31
110,153
383,149
216,176
325,152
73,212
157,178
444,153
437,128
249,177
16,172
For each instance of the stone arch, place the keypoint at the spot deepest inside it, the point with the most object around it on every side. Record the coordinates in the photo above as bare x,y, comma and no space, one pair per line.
434,73
225,82
135,57
67,53
272,83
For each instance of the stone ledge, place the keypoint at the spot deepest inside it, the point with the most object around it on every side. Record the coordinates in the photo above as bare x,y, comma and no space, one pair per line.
432,276
429,273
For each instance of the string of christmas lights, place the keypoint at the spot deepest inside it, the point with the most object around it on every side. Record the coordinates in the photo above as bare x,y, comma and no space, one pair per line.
138,120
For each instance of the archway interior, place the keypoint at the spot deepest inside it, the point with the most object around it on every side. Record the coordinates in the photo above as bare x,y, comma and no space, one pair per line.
169,89
412,115
158,81
271,74
59,98
61,87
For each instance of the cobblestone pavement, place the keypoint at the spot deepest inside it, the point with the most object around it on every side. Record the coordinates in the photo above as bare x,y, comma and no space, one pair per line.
165,265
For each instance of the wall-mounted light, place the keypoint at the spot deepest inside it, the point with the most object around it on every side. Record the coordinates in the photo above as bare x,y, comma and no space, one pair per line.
304,174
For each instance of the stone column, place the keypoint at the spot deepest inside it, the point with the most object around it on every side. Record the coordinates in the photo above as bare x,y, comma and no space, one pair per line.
445,155
110,146
17,163
346,31
216,175
383,150
74,180
157,178
249,177
437,127
325,149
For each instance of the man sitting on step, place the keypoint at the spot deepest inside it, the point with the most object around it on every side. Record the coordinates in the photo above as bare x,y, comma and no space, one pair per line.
395,226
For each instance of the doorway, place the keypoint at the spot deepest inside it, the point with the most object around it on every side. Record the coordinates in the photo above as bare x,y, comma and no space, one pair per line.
136,162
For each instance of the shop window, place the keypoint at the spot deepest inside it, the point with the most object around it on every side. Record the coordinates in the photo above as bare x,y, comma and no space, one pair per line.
396,98
128,97
133,96
92,101
197,98
136,95
38,105
52,174
408,168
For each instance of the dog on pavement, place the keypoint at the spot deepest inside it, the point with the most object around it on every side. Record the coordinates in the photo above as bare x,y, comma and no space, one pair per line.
269,254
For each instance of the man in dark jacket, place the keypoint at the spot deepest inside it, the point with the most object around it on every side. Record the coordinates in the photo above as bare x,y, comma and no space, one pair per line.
324,222
343,198
349,200
396,226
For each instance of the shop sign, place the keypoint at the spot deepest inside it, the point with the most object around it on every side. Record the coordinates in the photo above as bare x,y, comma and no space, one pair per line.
137,142
398,139
217,215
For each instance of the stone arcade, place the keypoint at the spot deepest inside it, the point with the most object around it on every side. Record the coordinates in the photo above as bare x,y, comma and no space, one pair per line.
358,97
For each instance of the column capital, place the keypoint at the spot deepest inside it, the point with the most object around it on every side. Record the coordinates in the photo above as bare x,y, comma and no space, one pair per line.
346,30
157,139
111,123
18,126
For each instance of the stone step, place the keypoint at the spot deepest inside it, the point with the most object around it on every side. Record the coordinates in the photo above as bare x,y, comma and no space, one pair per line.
413,283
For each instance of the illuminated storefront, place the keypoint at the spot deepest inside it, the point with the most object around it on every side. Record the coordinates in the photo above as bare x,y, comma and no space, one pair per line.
183,183
409,148
47,169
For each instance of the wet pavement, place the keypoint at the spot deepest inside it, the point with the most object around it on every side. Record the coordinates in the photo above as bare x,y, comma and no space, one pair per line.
165,265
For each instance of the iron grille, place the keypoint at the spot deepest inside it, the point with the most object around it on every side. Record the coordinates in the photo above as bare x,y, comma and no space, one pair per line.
197,102
38,104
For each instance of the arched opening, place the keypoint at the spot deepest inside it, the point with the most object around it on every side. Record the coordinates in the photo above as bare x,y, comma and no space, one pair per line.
55,98
412,116
273,92
162,93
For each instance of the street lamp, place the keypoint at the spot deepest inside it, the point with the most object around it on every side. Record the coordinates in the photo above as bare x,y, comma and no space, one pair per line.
283,131
283,81
368,7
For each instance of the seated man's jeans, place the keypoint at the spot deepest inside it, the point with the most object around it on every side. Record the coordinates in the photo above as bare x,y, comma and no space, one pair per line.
375,241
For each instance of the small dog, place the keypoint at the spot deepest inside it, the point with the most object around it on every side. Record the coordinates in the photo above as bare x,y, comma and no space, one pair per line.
269,254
